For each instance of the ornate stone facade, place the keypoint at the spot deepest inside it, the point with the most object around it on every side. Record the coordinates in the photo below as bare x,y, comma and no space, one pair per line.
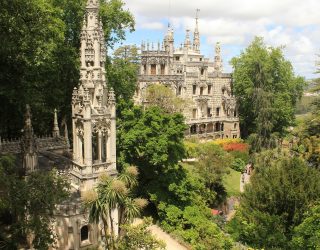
213,110
94,137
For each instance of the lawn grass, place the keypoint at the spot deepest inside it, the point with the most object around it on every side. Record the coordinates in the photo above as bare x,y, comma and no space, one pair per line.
232,183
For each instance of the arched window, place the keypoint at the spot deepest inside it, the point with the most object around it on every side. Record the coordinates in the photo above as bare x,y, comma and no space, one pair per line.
84,234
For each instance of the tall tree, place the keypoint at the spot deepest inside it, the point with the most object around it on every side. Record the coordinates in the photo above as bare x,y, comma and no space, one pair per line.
111,194
267,90
27,205
164,97
280,191
122,71
39,56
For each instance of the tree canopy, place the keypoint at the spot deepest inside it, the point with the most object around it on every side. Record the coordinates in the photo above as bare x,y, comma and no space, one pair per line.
27,205
39,56
280,191
267,90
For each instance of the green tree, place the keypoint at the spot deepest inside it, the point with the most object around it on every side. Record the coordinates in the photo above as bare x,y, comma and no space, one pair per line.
153,140
212,167
280,191
39,56
307,234
164,97
122,71
139,237
267,91
110,194
27,205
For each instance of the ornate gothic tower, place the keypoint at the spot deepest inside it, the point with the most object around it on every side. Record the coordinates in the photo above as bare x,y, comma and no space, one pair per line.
169,41
93,108
196,36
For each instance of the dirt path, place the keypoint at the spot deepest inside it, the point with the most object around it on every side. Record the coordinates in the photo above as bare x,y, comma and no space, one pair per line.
171,243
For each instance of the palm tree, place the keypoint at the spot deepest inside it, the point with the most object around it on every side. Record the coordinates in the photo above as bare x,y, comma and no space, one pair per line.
113,194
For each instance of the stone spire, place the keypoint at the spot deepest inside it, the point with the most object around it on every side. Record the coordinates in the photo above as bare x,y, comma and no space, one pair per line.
217,58
196,36
93,107
55,131
93,52
187,42
29,144
169,41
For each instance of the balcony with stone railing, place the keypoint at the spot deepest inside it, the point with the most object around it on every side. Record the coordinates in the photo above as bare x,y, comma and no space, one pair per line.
219,74
213,119
160,78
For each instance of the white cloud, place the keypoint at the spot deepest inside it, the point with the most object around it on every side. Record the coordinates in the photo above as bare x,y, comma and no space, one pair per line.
152,25
293,23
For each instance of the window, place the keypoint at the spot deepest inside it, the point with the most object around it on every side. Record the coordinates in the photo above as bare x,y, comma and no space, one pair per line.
84,234
217,111
179,90
153,69
200,59
209,112
235,126
201,90
234,136
194,113
202,72
144,69
162,69
194,89
209,89
223,90
177,58
235,113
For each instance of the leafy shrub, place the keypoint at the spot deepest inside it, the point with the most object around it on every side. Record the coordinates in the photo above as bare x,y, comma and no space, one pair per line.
236,146
238,165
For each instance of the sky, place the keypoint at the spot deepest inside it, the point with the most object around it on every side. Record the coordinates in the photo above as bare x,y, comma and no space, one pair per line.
294,24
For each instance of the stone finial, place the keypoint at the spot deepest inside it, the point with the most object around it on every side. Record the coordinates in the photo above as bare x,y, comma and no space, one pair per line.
29,144
55,131
217,58
196,35
112,96
187,43
92,4
66,134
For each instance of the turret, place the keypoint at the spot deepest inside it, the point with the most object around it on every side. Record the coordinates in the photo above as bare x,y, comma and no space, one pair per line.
169,41
93,107
196,36
217,58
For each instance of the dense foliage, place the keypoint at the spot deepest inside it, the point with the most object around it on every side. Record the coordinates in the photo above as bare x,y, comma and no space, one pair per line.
153,140
267,92
274,202
39,56
139,237
27,205
164,97
307,234
122,72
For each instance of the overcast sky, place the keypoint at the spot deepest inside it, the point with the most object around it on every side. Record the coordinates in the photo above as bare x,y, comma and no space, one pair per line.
294,24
